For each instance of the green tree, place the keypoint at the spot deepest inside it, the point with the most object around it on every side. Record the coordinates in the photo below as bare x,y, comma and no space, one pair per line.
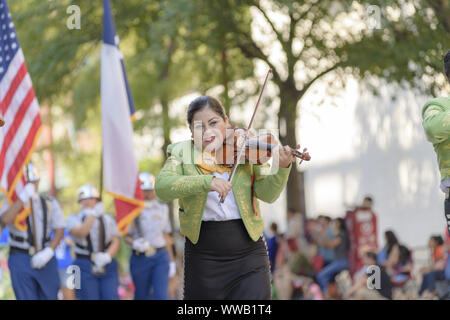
318,44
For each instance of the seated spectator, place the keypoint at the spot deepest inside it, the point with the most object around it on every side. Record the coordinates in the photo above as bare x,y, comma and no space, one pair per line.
316,259
360,289
434,272
396,259
340,245
300,265
389,251
403,267
326,232
310,230
273,244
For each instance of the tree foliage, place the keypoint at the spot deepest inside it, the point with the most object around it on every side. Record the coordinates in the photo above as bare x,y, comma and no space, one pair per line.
173,48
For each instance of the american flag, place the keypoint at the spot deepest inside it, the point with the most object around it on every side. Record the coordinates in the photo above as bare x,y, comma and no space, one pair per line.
19,108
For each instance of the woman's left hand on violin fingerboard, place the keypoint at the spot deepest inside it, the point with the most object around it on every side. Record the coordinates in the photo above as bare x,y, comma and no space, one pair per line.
285,157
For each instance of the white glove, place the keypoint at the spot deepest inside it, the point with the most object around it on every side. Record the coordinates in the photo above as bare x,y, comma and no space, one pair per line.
172,269
92,212
101,259
27,192
40,259
140,245
99,209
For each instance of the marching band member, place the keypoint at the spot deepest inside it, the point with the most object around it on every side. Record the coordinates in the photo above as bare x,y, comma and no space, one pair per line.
225,255
33,266
436,120
152,261
96,243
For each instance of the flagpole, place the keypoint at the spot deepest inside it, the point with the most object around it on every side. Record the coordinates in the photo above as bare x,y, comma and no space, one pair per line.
100,191
35,245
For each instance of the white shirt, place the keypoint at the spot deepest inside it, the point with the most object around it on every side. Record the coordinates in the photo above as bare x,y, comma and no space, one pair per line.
216,211
55,220
154,222
110,231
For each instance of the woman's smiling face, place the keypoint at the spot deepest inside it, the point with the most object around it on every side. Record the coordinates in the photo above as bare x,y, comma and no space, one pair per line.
208,129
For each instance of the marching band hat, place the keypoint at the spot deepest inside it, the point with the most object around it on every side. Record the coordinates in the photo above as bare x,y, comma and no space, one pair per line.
87,191
147,181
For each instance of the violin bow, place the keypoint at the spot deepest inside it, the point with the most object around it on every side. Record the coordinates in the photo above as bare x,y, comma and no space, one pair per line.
242,148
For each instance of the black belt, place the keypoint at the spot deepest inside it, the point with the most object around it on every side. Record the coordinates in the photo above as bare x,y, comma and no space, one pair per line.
82,256
143,253
86,256
22,239
18,250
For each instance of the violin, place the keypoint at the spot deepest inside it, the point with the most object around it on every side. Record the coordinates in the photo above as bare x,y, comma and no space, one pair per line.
258,149
263,145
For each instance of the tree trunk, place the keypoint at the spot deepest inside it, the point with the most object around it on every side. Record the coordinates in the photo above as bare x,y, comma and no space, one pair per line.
48,153
226,98
288,115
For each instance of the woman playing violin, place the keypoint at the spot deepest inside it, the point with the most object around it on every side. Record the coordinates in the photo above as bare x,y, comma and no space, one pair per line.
225,255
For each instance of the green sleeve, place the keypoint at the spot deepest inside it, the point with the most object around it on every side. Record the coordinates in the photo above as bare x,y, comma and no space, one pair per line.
171,184
268,187
436,122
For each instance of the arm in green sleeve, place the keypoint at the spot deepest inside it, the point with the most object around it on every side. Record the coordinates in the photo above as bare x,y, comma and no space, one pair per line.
171,184
268,187
436,122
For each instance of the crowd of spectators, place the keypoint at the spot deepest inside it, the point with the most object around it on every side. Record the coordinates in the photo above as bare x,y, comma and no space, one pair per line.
312,256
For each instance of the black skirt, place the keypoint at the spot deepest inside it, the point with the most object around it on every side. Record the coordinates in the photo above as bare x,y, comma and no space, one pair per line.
226,264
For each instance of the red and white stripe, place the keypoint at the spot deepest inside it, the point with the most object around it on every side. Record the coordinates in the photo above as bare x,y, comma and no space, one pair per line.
20,109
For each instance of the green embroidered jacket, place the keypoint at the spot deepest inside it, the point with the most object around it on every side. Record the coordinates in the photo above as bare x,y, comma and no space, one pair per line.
436,122
181,179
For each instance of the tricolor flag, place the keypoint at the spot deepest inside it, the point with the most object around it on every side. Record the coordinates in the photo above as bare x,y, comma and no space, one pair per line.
20,109
120,169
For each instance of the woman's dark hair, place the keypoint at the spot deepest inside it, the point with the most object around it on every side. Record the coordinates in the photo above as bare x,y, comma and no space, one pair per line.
391,240
372,255
343,229
405,255
438,239
342,224
447,64
200,103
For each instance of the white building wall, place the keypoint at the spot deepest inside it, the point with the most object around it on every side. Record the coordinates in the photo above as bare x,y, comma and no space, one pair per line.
366,144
